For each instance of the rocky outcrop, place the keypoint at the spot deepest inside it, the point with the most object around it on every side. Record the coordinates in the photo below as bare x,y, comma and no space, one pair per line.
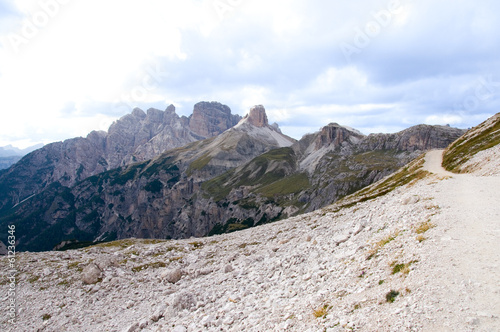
154,198
247,176
211,118
135,137
421,137
257,116
335,135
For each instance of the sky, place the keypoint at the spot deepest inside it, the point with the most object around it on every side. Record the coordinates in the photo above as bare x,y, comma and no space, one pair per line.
68,67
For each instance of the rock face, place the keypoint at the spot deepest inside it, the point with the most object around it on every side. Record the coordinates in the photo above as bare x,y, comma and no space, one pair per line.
257,116
135,137
249,175
147,199
211,118
335,135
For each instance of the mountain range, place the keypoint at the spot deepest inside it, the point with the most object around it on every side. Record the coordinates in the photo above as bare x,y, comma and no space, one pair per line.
158,175
9,155
415,251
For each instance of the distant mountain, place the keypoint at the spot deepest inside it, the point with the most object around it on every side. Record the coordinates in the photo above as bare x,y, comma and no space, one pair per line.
134,137
9,155
9,150
248,175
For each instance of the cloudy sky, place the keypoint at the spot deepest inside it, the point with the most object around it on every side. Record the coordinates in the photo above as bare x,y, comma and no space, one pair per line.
70,66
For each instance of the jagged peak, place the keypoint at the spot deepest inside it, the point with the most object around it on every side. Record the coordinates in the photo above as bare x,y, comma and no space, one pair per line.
138,113
257,116
170,108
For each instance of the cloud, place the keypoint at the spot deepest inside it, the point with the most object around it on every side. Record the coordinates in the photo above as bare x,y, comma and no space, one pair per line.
411,62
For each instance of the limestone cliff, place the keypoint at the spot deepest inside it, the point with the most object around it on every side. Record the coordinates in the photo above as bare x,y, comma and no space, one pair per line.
135,137
249,175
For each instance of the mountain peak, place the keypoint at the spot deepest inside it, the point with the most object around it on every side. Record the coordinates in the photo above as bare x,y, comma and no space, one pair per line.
257,116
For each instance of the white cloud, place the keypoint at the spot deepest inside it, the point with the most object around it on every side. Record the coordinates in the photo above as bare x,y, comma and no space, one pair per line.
98,57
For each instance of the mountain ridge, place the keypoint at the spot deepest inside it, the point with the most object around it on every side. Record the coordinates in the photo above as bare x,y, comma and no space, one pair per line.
134,137
408,253
248,175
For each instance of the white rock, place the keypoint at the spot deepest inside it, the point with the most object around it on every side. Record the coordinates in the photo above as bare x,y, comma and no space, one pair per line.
91,274
171,276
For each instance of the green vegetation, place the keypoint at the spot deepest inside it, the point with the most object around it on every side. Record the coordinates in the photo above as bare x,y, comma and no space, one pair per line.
404,268
477,139
199,163
232,225
391,296
286,186
196,245
46,317
405,176
380,244
154,265
261,173
128,242
154,186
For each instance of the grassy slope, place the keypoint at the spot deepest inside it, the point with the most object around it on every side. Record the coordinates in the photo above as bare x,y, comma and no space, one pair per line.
482,137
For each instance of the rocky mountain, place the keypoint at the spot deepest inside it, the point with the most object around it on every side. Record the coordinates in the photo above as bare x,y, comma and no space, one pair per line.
145,199
415,251
249,175
318,170
134,137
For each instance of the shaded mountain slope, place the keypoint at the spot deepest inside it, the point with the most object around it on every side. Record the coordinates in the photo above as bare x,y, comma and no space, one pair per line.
147,199
135,137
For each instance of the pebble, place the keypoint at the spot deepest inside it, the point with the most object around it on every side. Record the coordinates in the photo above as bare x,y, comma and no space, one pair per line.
280,279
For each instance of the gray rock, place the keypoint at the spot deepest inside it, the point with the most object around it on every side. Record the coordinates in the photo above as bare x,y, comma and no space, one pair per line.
171,276
91,274
183,300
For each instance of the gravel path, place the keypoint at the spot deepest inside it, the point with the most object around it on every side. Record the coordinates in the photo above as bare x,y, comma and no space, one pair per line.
471,244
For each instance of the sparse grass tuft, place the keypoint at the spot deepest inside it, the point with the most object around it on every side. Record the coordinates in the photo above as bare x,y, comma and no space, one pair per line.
421,238
154,265
321,311
424,227
32,279
404,268
46,317
380,244
391,296
196,245
73,265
